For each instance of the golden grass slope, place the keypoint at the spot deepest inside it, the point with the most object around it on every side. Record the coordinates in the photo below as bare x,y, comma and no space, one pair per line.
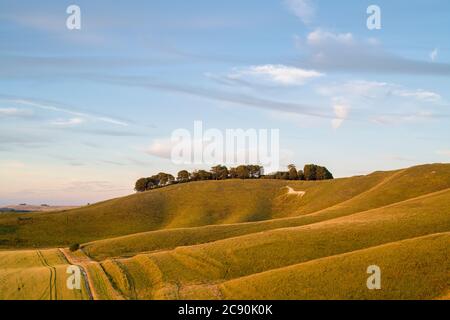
411,269
168,272
244,239
181,206
220,202
36,275
99,284
415,182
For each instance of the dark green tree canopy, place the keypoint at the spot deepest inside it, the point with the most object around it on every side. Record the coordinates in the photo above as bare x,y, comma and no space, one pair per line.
314,172
310,172
183,176
219,172
293,174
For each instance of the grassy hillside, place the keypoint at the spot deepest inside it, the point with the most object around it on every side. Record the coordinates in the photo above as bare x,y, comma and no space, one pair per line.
220,202
36,275
244,239
231,258
415,181
185,205
410,269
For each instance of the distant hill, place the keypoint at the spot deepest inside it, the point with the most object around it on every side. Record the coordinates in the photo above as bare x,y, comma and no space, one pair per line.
33,208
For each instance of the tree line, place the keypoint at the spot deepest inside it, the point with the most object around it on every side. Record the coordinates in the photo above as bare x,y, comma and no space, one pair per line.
310,172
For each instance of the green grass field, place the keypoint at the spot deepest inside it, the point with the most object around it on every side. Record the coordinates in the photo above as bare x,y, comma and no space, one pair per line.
239,239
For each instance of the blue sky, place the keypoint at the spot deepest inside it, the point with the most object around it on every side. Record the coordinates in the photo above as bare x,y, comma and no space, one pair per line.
84,113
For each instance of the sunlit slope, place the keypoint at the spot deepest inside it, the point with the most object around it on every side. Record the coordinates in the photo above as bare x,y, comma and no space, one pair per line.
411,269
235,239
163,274
186,205
36,275
99,283
402,185
414,182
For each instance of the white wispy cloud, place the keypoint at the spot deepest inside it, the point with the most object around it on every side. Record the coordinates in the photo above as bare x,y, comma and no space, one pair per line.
418,94
434,54
113,121
329,51
237,98
341,110
352,88
375,89
395,119
275,74
161,148
382,102
304,9
68,122
15,112
321,37
62,109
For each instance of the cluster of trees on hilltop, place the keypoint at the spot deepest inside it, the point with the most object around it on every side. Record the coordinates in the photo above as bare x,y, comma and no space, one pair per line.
220,172
309,172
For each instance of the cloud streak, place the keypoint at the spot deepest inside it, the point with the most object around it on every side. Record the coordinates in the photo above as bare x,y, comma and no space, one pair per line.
375,90
57,107
274,74
434,54
68,122
341,52
341,111
15,112
218,95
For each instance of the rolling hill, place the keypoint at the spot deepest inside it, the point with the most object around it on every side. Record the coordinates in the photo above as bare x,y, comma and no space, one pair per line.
246,239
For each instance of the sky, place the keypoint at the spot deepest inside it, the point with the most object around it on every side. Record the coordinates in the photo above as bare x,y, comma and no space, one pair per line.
85,112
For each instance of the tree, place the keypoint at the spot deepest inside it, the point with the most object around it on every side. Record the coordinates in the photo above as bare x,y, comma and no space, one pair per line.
204,175
282,175
243,172
164,179
219,172
255,171
151,184
183,176
170,178
301,175
141,185
322,173
233,173
310,172
194,176
314,172
293,175
74,247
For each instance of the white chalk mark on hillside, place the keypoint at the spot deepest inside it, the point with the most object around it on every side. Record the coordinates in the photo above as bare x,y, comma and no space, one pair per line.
293,192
